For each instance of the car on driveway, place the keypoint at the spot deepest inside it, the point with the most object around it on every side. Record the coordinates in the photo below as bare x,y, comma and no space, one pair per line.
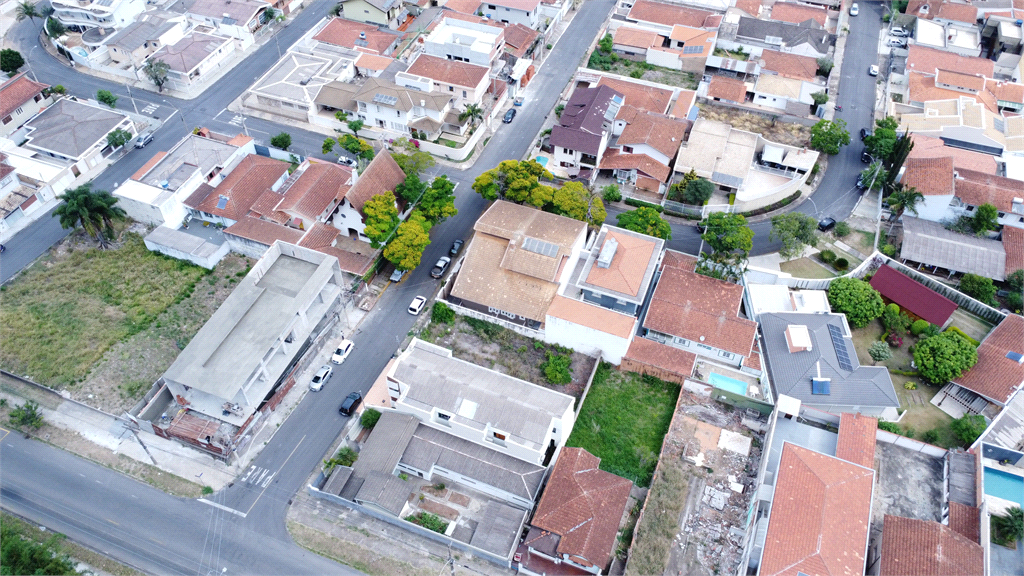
864,133
344,349
826,224
896,43
899,32
417,305
456,247
873,70
441,267
509,116
854,9
350,404
320,378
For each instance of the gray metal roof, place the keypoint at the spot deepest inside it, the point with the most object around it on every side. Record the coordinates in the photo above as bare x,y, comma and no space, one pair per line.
498,529
386,490
790,34
929,243
476,396
791,373
430,447
70,127
380,454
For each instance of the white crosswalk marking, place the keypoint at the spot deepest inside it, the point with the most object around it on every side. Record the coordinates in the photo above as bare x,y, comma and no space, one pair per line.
257,476
150,109
237,120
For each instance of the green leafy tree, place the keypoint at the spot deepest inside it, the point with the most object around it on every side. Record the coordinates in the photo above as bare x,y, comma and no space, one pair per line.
516,181
107,97
795,231
882,142
729,237
879,351
610,193
28,10
438,202
606,43
58,89
282,141
328,146
824,66
968,428
986,218
10,61
27,415
118,137
857,299
899,155
411,188
381,218
874,176
829,135
156,71
357,146
369,418
341,116
978,287
1016,281
410,158
356,125
645,221
441,313
411,239
473,112
698,191
576,201
944,357
94,211
21,555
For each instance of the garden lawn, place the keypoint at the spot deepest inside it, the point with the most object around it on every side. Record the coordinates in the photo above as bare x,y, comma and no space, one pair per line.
623,422
62,314
864,242
805,268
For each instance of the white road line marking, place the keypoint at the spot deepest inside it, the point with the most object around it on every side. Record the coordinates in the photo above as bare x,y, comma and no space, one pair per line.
223,507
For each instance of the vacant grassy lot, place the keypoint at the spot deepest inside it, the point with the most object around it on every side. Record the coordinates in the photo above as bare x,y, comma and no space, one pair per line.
623,422
656,532
864,242
651,73
805,268
61,315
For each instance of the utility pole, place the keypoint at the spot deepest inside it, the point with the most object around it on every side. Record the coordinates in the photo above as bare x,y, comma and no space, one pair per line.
129,88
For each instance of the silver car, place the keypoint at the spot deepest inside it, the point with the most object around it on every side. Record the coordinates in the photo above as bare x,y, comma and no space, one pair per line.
320,378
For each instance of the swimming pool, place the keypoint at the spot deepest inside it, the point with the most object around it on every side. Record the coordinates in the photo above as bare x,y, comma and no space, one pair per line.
1004,485
542,160
727,384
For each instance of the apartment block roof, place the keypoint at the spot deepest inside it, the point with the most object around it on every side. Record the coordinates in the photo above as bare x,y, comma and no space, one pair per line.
700,309
857,439
912,295
929,60
929,243
383,174
585,118
927,548
628,276
17,91
820,516
242,187
70,127
357,36
583,505
646,351
999,371
790,65
449,71
798,13
671,14
831,358
638,95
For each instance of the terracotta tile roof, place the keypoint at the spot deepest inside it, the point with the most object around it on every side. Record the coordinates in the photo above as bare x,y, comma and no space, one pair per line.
519,38
463,6
926,548
345,33
790,65
1006,91
254,175
449,71
1013,242
636,37
373,62
913,296
628,267
995,376
928,60
141,172
684,103
17,91
929,147
613,159
239,140
679,260
662,133
754,360
381,175
724,88
922,88
584,506
931,176
820,516
593,317
857,439
649,184
660,355
265,207
322,237
316,190
515,221
960,80
977,188
751,7
957,12
798,13
965,520
700,309
639,95
263,231
668,14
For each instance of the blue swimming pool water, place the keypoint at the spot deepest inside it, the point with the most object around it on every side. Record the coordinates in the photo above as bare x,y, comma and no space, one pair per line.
542,160
1004,485
728,384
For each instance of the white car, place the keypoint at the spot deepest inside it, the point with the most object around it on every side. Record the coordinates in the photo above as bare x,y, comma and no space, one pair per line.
873,70
854,9
344,349
417,305
320,378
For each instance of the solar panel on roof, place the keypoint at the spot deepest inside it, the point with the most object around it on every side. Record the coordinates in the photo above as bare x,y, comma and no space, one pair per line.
222,202
385,99
1015,356
821,386
842,354
540,247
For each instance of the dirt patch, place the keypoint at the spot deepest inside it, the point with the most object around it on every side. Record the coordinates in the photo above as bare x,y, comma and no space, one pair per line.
507,352
775,130
439,509
460,499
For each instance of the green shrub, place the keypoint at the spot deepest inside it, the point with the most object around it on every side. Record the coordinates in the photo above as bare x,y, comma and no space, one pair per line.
841,263
441,313
889,427
918,327
369,418
641,204
1014,301
930,437
27,415
842,230
428,521
556,368
856,299
610,193
956,330
484,328
207,490
889,250
978,287
968,427
827,256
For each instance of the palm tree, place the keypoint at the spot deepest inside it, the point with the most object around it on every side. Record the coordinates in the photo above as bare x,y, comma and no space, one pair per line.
903,200
94,211
1011,525
473,112
27,10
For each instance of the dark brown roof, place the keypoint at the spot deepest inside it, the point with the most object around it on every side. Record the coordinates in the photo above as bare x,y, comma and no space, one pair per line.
615,160
263,231
965,520
580,126
926,548
254,175
383,174
584,506
662,356
995,376
913,296
16,92
316,190
977,188
857,439
322,238
519,38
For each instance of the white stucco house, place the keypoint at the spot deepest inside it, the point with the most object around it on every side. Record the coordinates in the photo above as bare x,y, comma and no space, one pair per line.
523,12
80,15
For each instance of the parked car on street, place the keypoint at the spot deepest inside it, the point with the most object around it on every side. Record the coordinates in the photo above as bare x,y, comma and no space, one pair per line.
350,404
143,139
864,133
320,378
854,9
873,70
826,224
456,247
417,305
396,276
344,349
509,116
441,267
865,157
